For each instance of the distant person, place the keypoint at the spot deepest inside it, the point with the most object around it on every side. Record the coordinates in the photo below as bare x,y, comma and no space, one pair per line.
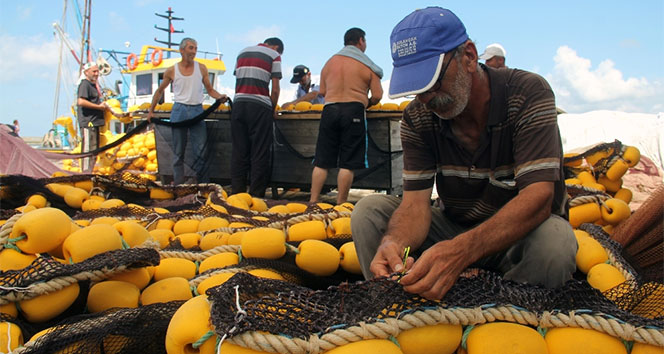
254,109
17,128
307,91
346,79
494,56
90,113
188,78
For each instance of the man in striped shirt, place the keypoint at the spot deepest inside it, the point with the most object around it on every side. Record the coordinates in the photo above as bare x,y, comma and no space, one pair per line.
253,112
489,140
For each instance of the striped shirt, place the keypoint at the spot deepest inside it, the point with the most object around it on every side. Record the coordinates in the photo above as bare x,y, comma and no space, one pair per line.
256,66
521,146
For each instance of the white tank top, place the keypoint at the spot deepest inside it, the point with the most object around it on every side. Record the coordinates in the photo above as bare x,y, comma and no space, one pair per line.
188,89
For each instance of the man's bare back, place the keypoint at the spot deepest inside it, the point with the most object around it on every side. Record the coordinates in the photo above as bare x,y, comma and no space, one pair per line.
344,79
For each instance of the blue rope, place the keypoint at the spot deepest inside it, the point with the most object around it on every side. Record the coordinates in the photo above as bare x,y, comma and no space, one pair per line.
394,340
464,337
202,340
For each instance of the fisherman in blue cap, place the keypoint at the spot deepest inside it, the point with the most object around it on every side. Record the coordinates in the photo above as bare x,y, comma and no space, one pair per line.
489,141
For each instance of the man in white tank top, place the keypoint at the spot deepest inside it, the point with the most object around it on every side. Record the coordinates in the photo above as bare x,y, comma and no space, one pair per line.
188,78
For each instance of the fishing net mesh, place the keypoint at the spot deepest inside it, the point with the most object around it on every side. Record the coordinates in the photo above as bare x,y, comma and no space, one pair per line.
304,306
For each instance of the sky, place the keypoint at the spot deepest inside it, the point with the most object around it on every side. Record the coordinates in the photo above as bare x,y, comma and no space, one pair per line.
596,55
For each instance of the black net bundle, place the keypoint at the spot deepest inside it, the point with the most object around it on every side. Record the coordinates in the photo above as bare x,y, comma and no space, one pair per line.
291,311
116,330
31,281
611,150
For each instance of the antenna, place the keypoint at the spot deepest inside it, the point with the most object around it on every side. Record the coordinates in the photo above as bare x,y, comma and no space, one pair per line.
169,30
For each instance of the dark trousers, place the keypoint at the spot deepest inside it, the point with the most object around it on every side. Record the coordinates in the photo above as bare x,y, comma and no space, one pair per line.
251,130
89,142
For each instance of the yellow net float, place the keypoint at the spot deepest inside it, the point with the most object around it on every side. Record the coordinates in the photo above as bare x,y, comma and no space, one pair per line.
165,290
211,223
188,239
90,241
589,253
174,267
133,233
188,325
348,259
614,211
212,281
439,338
263,242
314,229
505,338
213,239
139,276
40,230
112,293
571,339
339,226
584,213
317,257
48,306
11,259
604,276
220,260
163,236
11,336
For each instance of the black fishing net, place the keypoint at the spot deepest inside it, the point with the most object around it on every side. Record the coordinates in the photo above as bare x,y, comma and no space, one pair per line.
117,330
26,283
612,151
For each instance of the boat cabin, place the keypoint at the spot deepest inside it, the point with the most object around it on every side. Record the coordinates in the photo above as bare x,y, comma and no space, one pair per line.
147,71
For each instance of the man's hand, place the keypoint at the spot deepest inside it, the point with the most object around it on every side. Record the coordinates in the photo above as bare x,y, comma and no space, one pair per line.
150,116
389,259
222,97
434,273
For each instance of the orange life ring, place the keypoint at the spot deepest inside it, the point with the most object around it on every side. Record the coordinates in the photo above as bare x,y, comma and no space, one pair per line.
132,61
159,57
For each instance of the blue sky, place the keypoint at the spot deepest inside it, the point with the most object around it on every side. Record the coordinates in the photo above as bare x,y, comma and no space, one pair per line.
597,55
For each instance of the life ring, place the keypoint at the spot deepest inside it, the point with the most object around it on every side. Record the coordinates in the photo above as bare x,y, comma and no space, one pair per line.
157,57
132,61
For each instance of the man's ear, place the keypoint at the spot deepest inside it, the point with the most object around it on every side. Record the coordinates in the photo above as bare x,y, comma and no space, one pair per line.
470,54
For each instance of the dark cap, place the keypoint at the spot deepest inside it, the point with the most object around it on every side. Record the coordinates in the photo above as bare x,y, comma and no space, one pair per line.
298,73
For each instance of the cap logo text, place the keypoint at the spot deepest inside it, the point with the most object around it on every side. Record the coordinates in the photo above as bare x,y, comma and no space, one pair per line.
405,46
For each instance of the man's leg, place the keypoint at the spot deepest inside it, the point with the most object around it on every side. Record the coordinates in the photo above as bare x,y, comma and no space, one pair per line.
260,134
344,181
198,137
368,224
241,148
546,256
318,177
179,140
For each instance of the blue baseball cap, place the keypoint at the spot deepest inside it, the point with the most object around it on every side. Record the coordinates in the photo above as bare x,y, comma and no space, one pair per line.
418,44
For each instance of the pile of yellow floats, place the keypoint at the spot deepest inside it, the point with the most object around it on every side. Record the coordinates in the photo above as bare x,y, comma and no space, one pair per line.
224,238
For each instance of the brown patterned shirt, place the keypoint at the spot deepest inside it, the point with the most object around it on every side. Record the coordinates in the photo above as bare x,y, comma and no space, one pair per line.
521,146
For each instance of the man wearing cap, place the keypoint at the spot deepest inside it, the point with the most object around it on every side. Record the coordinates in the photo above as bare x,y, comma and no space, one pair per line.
90,113
489,140
346,79
494,56
306,90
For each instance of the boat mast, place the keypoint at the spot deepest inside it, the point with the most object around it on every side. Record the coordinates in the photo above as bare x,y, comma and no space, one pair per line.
57,80
170,29
85,35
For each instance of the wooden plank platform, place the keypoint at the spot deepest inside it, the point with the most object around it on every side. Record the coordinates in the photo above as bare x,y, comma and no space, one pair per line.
294,147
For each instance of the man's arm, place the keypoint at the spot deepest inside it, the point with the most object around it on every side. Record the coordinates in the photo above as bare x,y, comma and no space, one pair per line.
208,86
308,97
169,75
434,273
87,104
376,89
408,226
274,95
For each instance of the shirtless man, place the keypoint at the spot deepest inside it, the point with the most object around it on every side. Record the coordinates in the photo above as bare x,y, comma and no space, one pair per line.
345,81
188,78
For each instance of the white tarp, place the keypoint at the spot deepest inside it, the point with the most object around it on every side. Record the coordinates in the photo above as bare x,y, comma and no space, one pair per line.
644,131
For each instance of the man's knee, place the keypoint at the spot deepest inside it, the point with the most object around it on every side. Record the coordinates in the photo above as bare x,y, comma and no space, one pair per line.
368,225
553,246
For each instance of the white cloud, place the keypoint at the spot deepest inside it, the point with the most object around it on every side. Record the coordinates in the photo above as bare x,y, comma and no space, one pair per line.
579,87
32,57
255,35
24,13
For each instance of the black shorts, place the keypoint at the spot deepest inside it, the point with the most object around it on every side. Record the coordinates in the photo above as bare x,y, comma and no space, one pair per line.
342,138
